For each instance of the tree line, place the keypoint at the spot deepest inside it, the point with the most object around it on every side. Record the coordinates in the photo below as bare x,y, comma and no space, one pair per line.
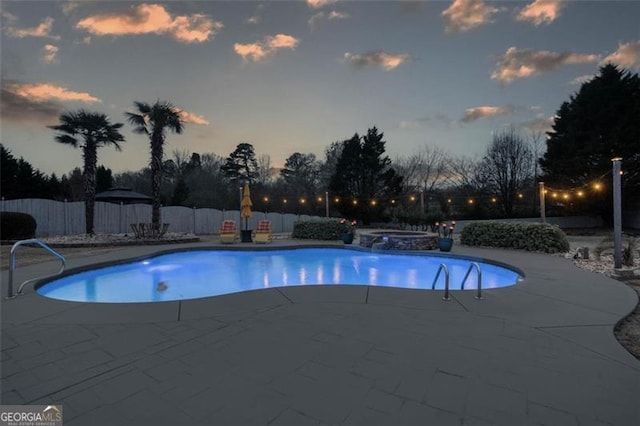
598,123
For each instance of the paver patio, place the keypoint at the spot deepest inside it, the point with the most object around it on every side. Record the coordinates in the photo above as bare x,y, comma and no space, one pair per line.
540,352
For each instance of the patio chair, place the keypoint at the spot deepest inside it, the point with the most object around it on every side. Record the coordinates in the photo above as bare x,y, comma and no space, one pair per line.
228,231
263,232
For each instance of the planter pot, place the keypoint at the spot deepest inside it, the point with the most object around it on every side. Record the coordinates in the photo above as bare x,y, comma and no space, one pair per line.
245,236
346,238
445,244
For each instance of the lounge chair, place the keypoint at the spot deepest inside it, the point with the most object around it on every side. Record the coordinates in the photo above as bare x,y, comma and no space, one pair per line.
263,232
228,232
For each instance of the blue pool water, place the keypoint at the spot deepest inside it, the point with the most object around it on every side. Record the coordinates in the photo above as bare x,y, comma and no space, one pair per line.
196,274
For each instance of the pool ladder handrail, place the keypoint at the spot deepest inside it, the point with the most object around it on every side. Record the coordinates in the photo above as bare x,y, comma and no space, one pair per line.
441,268
477,267
12,265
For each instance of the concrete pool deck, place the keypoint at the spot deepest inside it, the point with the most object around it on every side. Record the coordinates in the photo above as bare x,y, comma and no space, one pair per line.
540,352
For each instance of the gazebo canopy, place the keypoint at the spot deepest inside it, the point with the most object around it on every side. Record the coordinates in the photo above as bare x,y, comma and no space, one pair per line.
122,195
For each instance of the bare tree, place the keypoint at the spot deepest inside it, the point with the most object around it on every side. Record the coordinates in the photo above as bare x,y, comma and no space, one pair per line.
507,167
266,172
465,173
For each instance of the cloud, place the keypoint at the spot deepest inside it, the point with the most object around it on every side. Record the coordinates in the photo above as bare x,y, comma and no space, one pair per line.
541,11
253,51
36,103
189,117
582,79
386,61
627,55
421,122
259,50
515,64
317,4
334,14
43,92
256,16
465,15
540,124
42,30
49,52
69,6
153,19
473,114
318,19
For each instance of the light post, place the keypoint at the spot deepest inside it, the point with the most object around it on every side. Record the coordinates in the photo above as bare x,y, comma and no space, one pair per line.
617,214
542,206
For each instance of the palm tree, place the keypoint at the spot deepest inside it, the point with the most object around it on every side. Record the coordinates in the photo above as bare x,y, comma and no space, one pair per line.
88,131
152,120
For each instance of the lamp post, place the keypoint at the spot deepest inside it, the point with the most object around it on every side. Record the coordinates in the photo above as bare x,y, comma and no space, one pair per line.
617,214
542,206
326,203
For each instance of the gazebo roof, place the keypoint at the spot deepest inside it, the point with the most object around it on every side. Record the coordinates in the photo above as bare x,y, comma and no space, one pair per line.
122,195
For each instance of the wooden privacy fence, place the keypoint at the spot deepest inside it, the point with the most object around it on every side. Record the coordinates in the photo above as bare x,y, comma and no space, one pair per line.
67,218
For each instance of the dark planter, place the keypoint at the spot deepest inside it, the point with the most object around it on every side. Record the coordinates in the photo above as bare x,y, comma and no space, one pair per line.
346,238
445,244
245,236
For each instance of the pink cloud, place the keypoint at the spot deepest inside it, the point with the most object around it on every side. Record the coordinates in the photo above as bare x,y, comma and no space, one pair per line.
472,114
49,53
515,64
153,19
253,51
282,41
259,50
541,11
465,15
42,92
627,55
42,30
386,61
189,117
316,4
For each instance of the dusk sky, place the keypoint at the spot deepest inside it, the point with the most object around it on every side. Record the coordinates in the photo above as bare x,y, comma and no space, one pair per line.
291,76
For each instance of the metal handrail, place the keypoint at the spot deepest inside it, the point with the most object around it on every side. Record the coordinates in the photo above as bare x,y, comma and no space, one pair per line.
477,266
446,281
12,265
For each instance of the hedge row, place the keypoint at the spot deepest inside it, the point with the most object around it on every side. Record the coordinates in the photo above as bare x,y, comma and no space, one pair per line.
317,230
525,236
17,226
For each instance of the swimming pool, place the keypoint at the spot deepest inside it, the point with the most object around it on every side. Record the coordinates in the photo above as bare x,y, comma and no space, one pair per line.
196,274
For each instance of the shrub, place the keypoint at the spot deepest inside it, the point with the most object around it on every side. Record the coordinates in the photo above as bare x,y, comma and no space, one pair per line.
17,226
524,236
317,230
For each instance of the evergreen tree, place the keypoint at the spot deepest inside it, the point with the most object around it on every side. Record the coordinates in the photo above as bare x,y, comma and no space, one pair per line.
600,122
241,165
364,179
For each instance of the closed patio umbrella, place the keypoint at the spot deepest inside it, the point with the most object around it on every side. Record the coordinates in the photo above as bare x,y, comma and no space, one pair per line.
245,212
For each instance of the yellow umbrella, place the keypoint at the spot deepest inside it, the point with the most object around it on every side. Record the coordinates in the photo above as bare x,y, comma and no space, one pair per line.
245,205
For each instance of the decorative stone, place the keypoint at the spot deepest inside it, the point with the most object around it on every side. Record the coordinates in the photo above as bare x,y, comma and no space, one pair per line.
399,240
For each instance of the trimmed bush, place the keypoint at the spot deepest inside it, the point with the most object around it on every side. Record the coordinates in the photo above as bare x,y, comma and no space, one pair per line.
317,230
17,226
524,236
